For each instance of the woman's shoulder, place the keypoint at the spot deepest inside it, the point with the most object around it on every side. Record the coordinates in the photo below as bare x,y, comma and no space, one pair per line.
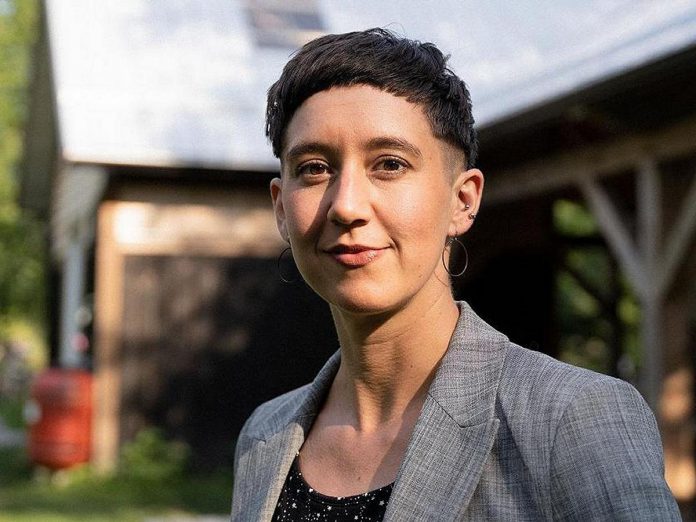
536,386
538,375
590,439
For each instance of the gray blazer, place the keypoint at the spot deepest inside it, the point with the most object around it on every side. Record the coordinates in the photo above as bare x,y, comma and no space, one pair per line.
505,434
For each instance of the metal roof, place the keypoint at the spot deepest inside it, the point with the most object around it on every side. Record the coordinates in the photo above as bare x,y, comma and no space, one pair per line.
183,82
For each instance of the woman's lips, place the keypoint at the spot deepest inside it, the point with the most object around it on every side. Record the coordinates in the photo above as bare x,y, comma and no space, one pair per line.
354,256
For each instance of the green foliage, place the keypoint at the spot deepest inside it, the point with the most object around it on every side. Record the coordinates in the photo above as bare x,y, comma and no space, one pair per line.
14,466
579,314
629,313
79,494
572,219
21,237
22,352
589,294
151,457
12,412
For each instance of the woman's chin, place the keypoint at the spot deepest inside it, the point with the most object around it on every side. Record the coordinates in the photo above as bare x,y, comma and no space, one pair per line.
359,308
362,302
369,296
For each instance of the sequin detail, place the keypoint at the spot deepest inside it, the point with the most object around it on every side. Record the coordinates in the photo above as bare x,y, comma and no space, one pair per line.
298,502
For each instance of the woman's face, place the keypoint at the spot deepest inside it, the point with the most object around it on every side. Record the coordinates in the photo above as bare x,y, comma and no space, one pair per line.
367,198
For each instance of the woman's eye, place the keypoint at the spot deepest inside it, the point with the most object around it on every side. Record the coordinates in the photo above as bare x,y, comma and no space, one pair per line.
391,165
312,169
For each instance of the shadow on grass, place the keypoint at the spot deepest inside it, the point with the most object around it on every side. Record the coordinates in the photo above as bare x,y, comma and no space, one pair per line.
81,495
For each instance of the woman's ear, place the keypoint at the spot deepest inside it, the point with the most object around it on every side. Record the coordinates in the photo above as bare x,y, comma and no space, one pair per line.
466,200
276,197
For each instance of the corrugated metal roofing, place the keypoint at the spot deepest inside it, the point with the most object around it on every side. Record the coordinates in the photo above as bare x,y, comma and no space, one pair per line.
171,82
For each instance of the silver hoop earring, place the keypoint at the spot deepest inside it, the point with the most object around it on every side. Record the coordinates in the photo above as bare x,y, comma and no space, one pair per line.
450,241
279,263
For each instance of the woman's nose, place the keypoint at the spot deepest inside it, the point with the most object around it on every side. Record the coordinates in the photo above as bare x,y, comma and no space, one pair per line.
349,203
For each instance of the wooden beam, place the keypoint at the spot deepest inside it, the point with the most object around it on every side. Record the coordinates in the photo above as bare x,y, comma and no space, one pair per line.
564,170
679,240
615,231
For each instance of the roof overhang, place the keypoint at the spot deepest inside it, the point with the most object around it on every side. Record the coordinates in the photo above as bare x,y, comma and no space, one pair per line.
149,82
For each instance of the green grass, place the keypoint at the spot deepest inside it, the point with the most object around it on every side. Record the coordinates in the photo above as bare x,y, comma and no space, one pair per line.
82,496
12,412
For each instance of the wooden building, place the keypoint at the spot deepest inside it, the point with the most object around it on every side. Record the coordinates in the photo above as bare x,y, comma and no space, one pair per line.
146,157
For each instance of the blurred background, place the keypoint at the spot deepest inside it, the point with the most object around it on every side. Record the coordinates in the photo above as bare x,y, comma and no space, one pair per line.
141,314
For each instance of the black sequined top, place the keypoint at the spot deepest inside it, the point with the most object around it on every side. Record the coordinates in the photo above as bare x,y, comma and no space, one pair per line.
298,502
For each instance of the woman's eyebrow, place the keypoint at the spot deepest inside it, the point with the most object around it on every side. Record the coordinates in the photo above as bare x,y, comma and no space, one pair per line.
309,147
379,142
392,142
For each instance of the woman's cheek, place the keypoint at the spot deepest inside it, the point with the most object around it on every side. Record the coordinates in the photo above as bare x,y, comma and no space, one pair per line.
300,214
419,215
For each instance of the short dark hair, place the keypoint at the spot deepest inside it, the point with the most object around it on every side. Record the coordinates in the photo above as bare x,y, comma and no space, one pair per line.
408,68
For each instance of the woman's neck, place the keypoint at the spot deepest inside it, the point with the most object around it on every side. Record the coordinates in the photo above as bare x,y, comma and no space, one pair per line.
387,364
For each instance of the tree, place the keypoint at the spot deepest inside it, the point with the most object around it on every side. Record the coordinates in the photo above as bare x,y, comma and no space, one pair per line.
22,294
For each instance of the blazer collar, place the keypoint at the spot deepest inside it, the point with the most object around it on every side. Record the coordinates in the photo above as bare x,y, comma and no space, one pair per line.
466,382
456,429
450,442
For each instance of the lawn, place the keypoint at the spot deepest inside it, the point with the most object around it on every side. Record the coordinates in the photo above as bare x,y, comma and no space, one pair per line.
82,496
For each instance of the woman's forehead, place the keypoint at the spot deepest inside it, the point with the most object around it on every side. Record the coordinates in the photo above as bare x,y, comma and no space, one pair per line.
361,115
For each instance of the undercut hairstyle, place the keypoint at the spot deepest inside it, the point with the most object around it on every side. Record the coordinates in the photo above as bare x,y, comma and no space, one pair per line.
377,57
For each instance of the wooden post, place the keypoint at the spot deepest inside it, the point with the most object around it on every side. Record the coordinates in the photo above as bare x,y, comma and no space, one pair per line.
108,312
640,262
649,199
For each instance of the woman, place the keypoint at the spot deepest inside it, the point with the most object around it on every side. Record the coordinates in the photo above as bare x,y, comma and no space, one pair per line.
426,412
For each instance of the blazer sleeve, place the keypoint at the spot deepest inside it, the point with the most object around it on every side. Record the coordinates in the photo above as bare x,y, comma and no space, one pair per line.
606,460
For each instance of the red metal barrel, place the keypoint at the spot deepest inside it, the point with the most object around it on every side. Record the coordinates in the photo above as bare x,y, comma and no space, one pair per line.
60,432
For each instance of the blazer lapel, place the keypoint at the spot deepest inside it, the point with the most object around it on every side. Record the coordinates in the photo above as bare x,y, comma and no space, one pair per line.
441,469
456,428
276,455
